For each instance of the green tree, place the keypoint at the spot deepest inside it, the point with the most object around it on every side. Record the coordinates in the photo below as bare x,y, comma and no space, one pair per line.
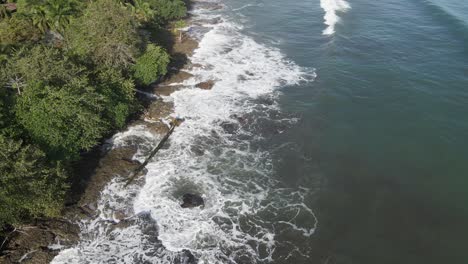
51,14
177,28
63,120
151,65
59,13
55,102
46,64
29,185
142,10
168,9
107,33
7,120
119,96
18,29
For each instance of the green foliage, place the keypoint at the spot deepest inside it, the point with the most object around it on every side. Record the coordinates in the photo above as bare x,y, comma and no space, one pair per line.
151,65
29,185
49,14
41,63
168,9
55,104
58,101
107,33
63,120
6,103
180,24
119,94
4,13
18,29
141,10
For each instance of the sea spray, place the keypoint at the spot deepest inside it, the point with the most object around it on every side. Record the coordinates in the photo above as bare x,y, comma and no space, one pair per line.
331,8
211,154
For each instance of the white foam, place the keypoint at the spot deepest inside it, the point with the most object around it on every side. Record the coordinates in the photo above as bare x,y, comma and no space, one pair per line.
234,180
331,8
247,6
138,136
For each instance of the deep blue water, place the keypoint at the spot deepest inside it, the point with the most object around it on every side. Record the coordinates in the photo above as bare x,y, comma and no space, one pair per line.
383,129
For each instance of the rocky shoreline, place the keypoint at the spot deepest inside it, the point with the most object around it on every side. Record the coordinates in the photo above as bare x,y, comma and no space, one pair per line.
33,243
42,240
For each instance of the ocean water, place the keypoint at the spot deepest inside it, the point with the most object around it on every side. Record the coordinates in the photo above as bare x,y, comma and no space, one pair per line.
336,132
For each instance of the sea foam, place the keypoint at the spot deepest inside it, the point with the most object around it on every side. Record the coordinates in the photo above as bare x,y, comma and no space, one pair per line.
331,8
209,154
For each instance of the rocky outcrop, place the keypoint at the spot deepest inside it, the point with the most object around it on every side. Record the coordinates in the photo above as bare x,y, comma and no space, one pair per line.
32,244
192,200
206,85
40,242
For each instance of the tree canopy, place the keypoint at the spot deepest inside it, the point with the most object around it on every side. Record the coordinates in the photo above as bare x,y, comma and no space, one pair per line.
30,185
68,74
152,64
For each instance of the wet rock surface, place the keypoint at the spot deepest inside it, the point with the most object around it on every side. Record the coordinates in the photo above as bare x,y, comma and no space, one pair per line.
208,85
32,244
192,200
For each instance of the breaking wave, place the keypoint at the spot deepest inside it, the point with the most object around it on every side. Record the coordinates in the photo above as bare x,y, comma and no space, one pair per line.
215,154
331,8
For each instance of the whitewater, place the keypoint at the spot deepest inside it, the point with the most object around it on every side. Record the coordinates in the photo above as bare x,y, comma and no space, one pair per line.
215,153
332,9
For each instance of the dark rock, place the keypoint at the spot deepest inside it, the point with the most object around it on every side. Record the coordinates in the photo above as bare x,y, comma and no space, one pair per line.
147,224
53,38
241,119
192,200
230,128
186,257
212,21
31,244
249,73
241,78
206,85
131,161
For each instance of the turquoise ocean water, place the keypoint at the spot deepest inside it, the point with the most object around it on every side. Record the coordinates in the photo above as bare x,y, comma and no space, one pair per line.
383,129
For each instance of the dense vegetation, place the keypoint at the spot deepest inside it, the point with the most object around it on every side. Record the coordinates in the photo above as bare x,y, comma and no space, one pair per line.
68,73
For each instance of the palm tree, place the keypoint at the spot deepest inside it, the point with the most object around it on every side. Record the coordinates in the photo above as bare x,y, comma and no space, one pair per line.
141,10
59,13
177,28
39,19
53,15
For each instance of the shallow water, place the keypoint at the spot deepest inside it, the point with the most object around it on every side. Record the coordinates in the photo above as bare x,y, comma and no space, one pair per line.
335,133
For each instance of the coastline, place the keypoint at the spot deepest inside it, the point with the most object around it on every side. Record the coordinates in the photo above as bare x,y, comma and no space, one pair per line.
207,156
98,168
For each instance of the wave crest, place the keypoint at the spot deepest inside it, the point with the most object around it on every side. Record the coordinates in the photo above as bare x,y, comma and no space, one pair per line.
331,8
